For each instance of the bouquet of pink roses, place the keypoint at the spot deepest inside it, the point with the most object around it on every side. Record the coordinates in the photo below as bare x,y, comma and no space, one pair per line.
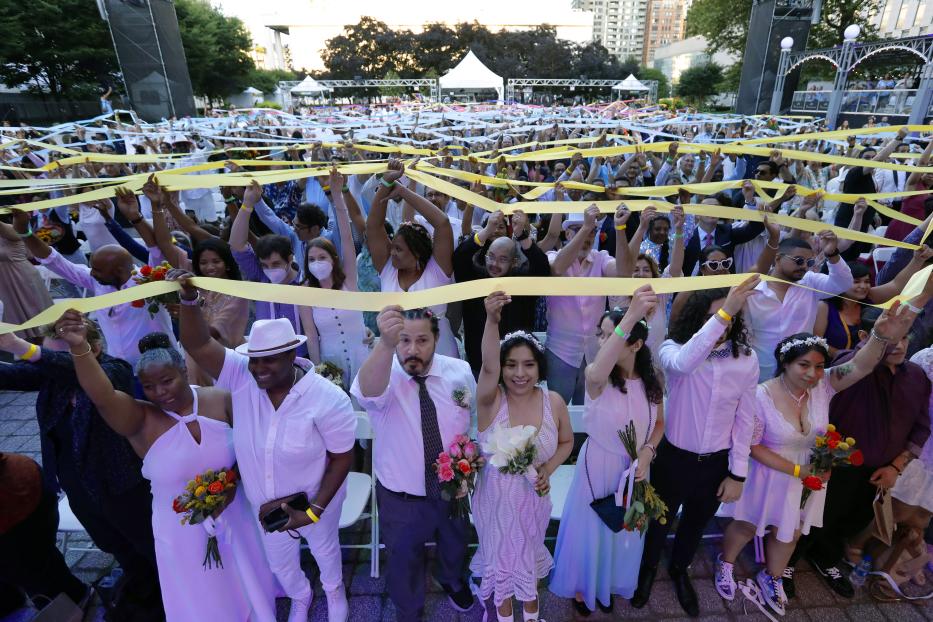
456,471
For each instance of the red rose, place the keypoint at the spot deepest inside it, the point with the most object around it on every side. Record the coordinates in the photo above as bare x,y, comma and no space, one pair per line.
158,274
834,436
145,270
832,443
215,488
231,476
813,482
139,304
464,467
178,507
856,458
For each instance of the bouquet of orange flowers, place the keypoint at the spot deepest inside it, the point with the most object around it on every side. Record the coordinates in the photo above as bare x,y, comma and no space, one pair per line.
149,274
204,495
830,450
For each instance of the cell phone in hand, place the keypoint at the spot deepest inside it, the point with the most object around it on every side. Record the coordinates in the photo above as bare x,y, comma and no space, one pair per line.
277,518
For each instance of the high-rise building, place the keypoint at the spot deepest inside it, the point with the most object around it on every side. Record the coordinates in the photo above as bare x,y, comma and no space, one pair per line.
904,18
619,25
665,23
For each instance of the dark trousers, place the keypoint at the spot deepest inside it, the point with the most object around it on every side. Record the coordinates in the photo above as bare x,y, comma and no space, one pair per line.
405,525
30,560
848,511
686,479
119,524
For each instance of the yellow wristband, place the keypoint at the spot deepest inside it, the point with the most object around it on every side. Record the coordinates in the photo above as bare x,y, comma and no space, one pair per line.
724,315
312,515
476,239
31,352
620,227
246,209
797,471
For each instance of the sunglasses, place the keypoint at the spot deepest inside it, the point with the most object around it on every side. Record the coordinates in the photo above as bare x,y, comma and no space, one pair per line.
797,259
713,265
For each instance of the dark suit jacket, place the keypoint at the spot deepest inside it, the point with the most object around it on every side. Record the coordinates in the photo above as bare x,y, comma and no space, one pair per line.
727,237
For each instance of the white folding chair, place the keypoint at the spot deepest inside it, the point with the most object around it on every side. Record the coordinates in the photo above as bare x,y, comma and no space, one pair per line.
880,231
68,524
881,255
361,488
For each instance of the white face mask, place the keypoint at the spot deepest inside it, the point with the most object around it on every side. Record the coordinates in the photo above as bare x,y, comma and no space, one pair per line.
275,275
320,269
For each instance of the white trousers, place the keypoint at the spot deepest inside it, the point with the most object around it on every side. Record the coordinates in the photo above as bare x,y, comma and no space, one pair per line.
283,552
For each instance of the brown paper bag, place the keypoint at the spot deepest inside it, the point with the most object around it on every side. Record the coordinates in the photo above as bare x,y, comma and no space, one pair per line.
883,528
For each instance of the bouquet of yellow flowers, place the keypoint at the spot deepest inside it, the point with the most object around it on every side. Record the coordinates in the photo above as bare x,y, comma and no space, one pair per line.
644,504
830,450
205,494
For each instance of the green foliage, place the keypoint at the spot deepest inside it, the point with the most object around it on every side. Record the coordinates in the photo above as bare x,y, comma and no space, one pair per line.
268,104
392,91
672,103
266,80
650,73
731,76
699,83
216,49
59,45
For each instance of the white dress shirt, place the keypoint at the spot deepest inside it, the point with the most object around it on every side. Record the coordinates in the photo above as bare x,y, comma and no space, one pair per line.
770,319
711,399
283,451
398,449
122,325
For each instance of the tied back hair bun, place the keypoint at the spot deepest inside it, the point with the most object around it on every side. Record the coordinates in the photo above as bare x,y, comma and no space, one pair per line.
154,341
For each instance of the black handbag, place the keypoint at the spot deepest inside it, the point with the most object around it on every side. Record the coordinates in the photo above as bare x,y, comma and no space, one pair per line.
612,515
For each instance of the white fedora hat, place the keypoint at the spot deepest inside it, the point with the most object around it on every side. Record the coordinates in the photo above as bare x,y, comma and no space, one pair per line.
268,337
573,219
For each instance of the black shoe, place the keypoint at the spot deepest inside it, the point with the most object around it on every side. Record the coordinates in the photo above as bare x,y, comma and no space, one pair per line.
686,595
580,607
790,590
462,599
834,578
643,591
605,608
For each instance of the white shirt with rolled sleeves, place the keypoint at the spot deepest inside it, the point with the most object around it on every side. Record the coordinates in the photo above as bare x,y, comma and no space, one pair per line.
711,400
122,325
283,451
572,320
398,450
770,320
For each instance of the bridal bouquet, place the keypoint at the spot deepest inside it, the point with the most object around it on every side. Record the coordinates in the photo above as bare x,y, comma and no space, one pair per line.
830,450
330,371
513,451
642,501
204,495
456,471
149,274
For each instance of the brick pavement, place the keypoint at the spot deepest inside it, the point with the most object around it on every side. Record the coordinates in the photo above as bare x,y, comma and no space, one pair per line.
369,601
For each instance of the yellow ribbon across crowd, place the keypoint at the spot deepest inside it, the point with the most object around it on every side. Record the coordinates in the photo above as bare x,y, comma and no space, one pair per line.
430,176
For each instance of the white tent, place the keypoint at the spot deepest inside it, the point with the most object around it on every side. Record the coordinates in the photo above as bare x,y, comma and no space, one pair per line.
309,86
471,73
631,83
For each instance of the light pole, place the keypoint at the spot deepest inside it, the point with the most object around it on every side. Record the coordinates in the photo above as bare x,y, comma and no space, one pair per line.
783,65
850,34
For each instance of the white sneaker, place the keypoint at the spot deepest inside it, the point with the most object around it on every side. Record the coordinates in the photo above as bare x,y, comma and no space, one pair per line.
338,610
300,608
725,579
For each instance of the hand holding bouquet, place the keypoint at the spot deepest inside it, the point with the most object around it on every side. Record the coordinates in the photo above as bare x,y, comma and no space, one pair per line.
149,274
643,502
514,451
203,500
456,471
830,450
332,372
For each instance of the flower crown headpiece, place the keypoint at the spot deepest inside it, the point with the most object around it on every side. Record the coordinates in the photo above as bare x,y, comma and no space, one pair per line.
809,341
524,335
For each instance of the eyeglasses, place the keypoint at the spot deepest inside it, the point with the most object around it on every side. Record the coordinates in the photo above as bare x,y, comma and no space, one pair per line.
714,265
797,259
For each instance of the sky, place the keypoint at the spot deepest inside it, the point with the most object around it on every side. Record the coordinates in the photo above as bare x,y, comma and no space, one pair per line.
312,22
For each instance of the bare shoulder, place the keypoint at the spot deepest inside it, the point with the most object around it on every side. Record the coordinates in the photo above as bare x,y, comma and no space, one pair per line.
558,405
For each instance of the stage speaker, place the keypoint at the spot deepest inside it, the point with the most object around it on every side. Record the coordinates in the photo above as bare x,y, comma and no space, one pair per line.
152,59
771,21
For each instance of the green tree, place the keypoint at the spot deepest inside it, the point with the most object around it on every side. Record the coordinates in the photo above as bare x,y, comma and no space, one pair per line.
650,73
699,83
216,48
266,80
59,46
630,65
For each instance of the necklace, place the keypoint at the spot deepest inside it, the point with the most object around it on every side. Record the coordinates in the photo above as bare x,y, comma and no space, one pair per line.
797,400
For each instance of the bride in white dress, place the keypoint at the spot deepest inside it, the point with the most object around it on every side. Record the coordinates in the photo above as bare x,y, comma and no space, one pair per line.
180,432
